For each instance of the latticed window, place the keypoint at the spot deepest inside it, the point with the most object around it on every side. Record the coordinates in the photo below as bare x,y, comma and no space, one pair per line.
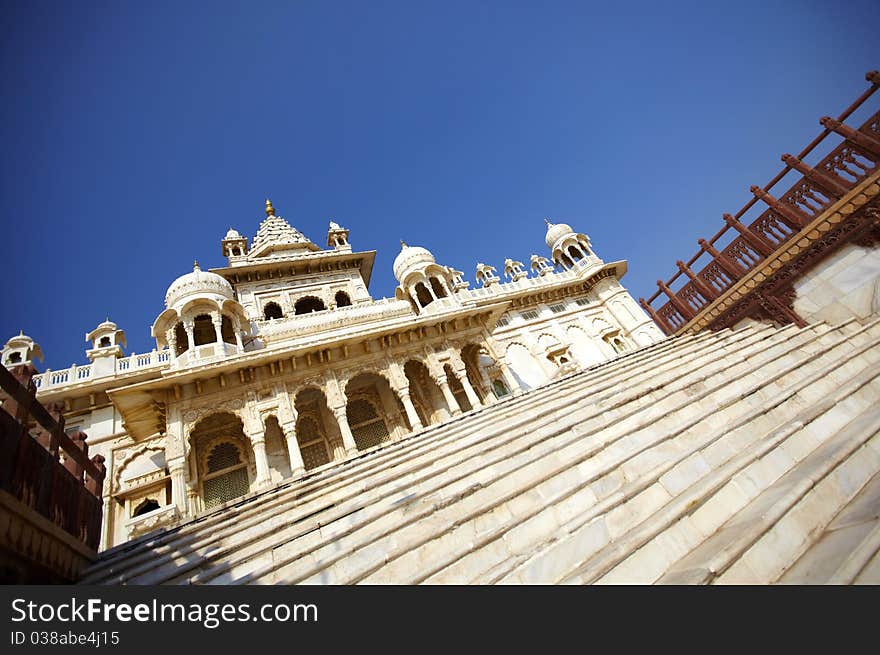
557,308
366,425
504,320
530,315
312,445
226,475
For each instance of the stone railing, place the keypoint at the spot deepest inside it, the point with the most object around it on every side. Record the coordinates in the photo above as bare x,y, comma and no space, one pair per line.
534,283
746,240
76,374
329,319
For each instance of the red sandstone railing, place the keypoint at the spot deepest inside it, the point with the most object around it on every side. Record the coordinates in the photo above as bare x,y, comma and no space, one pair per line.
67,494
815,190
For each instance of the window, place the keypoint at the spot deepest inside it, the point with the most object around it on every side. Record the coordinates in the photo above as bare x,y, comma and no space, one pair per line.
203,330
308,305
500,388
342,299
557,308
181,339
530,315
226,477
504,320
14,358
439,291
147,506
366,425
582,301
104,342
272,310
423,295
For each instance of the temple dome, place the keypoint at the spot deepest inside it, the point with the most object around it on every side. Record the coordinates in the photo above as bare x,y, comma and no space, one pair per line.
198,281
232,234
556,231
409,258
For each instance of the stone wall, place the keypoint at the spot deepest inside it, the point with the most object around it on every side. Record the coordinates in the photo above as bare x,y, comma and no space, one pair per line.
844,286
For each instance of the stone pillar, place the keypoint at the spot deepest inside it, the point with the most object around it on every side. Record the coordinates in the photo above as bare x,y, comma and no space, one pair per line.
297,466
177,469
171,338
189,328
217,320
411,412
448,395
258,443
344,429
472,396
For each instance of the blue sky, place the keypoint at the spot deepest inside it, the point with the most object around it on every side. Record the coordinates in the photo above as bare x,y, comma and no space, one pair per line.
135,134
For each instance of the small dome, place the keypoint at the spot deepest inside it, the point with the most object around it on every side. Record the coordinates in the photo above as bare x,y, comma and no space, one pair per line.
198,281
410,257
555,231
232,234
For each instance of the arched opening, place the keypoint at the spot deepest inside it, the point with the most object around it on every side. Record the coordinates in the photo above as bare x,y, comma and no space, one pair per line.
222,459
203,330
148,505
423,295
342,299
375,413
226,330
272,310
319,443
236,252
14,358
575,253
181,339
437,286
457,389
308,304
425,393
565,260
104,342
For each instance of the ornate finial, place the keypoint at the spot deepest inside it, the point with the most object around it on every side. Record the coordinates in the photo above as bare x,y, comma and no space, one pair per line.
547,221
196,266
403,244
270,210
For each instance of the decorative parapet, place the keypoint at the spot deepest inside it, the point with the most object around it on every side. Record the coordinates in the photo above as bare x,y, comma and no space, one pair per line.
156,359
333,319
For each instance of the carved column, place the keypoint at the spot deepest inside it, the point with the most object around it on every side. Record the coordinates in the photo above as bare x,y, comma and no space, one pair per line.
177,470
189,328
217,320
411,414
171,338
258,443
345,430
472,396
448,395
297,466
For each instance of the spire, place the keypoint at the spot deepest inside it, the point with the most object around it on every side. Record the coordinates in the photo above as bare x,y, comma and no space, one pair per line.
403,244
196,266
547,221
270,210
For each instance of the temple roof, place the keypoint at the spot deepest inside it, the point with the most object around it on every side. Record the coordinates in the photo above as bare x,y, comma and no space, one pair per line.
275,234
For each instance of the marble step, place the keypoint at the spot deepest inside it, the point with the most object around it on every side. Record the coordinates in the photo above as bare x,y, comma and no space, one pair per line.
148,547
650,549
351,515
539,471
470,567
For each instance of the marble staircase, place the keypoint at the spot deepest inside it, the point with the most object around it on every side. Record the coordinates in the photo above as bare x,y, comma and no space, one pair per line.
748,456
